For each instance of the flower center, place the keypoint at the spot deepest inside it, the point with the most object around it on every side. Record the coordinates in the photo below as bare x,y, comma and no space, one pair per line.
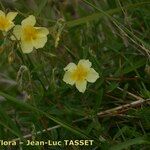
80,73
4,23
30,33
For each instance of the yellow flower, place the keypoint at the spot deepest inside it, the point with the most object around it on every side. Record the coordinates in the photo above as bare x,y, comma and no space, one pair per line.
30,36
6,21
79,74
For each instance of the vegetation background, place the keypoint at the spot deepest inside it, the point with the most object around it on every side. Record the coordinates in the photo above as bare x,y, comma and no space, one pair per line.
36,104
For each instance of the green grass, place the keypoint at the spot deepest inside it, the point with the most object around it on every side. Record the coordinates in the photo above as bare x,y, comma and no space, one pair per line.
114,36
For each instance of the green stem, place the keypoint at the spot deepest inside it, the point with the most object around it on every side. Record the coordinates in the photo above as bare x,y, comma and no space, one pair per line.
35,73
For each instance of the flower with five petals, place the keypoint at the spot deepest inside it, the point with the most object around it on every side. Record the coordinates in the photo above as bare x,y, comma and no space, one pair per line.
80,74
6,20
30,37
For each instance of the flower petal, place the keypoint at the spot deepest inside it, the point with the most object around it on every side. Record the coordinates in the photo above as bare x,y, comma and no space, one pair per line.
9,27
11,15
67,78
42,37
42,31
26,47
2,14
17,32
85,63
92,76
40,42
70,67
29,21
81,85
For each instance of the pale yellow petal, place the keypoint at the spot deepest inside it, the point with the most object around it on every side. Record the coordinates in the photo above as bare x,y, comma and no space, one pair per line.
39,43
2,14
42,31
29,21
26,47
85,63
11,15
11,25
17,32
70,67
67,78
42,37
92,76
81,85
